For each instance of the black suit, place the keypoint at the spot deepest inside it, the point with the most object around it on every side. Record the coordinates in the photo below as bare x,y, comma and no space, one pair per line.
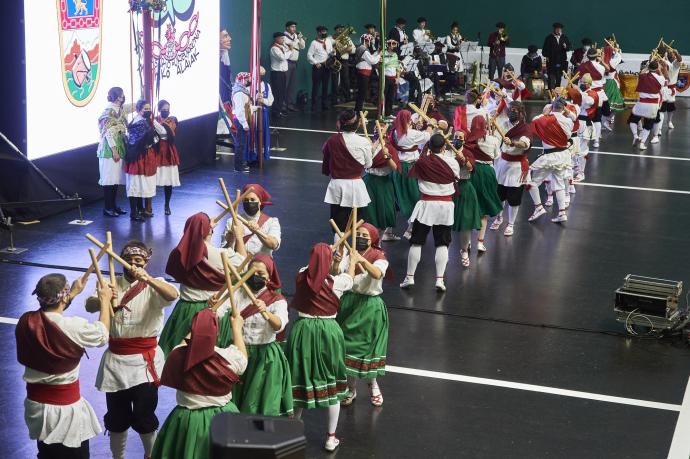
556,51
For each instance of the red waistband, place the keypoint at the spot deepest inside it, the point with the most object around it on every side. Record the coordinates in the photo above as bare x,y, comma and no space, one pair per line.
144,346
522,159
54,394
365,72
428,197
392,78
512,158
673,86
649,100
350,177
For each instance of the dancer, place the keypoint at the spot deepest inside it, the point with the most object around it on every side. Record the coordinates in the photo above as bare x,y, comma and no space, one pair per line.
50,346
141,163
345,156
668,106
436,174
204,376
588,110
130,367
612,57
112,126
167,173
316,348
363,317
266,386
646,109
262,232
197,265
597,72
465,113
467,216
512,168
554,127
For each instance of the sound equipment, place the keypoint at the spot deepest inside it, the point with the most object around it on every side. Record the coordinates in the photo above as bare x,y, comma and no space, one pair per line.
245,436
649,302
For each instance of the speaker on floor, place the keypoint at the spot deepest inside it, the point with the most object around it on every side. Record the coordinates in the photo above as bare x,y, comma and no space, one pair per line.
240,436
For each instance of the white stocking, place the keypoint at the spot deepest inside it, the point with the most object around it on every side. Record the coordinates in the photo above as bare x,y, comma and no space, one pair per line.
512,214
560,197
633,129
118,443
148,440
333,414
534,193
657,127
482,231
441,260
662,115
597,130
669,116
644,135
413,258
298,412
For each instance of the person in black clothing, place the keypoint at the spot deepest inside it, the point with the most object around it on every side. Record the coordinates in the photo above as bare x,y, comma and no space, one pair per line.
415,91
531,63
438,57
555,50
580,54
398,34
498,40
371,30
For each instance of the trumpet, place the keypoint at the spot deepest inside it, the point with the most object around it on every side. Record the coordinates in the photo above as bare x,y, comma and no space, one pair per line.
504,35
300,36
429,35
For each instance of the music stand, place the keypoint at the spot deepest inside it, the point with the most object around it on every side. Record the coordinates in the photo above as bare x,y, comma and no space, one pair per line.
406,50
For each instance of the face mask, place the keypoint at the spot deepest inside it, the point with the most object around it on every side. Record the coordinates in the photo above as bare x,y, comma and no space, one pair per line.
250,207
323,34
165,113
146,114
513,117
583,87
256,282
361,244
586,47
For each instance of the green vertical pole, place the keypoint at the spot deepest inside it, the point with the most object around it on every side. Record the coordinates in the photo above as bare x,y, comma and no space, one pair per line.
382,77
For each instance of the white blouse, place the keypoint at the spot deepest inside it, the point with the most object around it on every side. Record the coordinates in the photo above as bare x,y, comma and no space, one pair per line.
412,138
196,295
257,330
254,245
364,283
341,284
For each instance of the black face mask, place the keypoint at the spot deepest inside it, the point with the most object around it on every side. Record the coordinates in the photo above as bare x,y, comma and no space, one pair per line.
583,87
323,34
165,113
250,207
513,117
256,282
362,244
146,114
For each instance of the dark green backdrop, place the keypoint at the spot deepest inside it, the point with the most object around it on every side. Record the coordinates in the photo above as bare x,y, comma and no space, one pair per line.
637,24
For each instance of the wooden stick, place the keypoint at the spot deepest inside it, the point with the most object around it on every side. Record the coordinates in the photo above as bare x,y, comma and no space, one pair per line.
91,267
236,204
423,115
498,128
228,282
99,275
354,230
111,264
109,251
379,129
451,146
239,217
363,119
344,237
334,225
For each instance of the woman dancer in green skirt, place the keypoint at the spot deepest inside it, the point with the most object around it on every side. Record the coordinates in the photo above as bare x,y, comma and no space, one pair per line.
266,385
204,376
316,349
197,265
467,214
364,319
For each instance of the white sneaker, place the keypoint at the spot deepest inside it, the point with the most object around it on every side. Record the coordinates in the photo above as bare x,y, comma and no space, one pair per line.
549,201
538,212
635,140
440,285
670,125
595,144
407,283
655,139
389,237
571,189
566,201
480,246
407,234
332,443
496,224
562,217
608,126
642,146
509,230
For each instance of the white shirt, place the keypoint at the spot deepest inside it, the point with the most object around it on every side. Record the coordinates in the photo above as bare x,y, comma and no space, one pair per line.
319,51
412,138
143,320
402,35
491,145
368,60
442,189
239,100
359,147
364,283
237,363
66,424
213,258
268,100
420,37
254,245
341,284
297,44
256,329
279,58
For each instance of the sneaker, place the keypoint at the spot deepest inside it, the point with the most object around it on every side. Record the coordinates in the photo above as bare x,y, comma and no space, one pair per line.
655,139
332,443
407,282
509,230
571,189
549,201
670,125
642,146
407,235
440,285
538,212
496,224
562,217
389,236
595,144
480,246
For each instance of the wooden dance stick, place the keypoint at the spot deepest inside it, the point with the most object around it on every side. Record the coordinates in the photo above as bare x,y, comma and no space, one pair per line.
99,274
363,119
242,220
379,129
236,205
498,128
334,225
423,115
228,285
450,145
354,230
570,79
344,237
239,282
242,282
109,251
111,264
92,268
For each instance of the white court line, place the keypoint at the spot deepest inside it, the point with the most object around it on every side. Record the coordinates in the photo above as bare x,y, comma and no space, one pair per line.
8,320
591,152
540,389
680,446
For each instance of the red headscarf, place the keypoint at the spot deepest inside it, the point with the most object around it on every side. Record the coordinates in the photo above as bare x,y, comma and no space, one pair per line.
260,192
477,130
375,252
192,248
319,267
373,234
203,341
273,276
402,120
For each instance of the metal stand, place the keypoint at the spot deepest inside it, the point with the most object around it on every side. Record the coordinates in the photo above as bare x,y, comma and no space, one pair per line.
80,221
6,223
277,146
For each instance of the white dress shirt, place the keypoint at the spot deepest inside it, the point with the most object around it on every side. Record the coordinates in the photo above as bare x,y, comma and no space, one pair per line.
319,51
279,58
297,44
254,245
256,329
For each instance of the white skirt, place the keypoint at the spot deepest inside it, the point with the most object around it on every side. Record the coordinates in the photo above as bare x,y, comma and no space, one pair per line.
141,186
111,172
557,161
66,424
433,212
509,173
645,110
347,193
168,176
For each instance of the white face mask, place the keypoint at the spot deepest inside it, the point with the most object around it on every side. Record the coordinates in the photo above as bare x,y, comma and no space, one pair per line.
586,47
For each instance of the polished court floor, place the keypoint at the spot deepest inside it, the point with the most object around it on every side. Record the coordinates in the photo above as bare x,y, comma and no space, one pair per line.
521,357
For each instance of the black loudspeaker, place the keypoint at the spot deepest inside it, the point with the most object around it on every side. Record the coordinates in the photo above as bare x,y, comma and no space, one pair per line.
240,436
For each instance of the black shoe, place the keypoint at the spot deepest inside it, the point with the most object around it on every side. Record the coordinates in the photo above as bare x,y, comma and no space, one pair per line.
120,211
136,217
243,169
167,210
147,214
110,213
292,108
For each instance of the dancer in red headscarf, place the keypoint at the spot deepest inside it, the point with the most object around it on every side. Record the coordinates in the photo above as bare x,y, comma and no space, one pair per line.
262,234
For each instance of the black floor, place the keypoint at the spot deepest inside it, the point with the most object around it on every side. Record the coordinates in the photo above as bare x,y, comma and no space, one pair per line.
535,309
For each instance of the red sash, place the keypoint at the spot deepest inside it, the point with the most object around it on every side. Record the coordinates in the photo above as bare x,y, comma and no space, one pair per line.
263,218
267,296
429,197
460,119
592,110
322,303
549,130
522,159
54,394
648,83
212,377
365,72
432,168
129,295
144,346
338,162
43,346
379,161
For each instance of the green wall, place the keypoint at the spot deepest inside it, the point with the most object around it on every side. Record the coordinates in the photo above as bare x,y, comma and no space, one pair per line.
637,24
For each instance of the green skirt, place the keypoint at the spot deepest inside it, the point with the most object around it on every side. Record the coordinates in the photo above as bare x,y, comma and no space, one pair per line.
484,181
467,213
316,354
406,190
266,387
614,95
180,322
381,210
364,321
187,433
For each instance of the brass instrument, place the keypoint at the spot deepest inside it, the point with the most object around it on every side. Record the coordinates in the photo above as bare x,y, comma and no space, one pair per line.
476,75
429,35
504,35
342,42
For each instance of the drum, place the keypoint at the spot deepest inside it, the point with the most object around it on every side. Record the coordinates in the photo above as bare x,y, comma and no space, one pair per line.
535,85
629,85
